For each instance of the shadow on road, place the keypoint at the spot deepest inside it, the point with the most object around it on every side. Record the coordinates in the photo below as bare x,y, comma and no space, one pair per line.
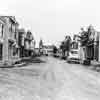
24,62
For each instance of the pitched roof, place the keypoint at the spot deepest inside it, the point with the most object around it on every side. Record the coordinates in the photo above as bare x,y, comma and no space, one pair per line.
12,18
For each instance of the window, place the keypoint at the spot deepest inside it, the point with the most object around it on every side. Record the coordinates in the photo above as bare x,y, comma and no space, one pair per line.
15,35
75,45
74,52
15,51
11,28
1,30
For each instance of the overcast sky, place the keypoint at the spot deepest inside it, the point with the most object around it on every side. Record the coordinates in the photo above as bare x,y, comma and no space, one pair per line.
53,19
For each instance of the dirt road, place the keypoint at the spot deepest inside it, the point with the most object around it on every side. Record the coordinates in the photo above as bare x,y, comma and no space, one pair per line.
53,80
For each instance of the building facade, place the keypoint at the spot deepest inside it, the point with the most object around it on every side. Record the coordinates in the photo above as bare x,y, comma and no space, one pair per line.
9,49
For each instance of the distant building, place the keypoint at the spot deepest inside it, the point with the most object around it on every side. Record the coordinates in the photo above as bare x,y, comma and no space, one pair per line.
28,43
21,41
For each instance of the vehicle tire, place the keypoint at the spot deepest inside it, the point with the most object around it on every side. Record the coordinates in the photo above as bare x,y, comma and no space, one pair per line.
46,54
87,62
68,61
64,57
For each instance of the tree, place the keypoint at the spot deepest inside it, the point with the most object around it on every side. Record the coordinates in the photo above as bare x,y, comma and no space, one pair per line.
87,40
84,37
65,45
87,37
62,45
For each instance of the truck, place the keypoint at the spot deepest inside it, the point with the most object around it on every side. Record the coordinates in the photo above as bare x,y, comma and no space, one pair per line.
73,56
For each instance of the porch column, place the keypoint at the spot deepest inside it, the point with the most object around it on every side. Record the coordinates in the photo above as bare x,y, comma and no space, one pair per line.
5,44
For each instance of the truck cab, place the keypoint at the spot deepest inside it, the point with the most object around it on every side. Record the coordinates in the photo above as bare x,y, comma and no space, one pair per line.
74,53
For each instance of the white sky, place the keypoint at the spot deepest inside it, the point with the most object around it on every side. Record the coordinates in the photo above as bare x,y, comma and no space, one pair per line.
53,19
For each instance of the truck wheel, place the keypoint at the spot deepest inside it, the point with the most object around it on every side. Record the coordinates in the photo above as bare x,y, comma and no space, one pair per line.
87,62
68,61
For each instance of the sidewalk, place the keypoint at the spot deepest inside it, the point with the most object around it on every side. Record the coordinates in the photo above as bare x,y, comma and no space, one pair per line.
24,62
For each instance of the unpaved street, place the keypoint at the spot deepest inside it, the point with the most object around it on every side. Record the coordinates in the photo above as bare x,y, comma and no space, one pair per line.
53,80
